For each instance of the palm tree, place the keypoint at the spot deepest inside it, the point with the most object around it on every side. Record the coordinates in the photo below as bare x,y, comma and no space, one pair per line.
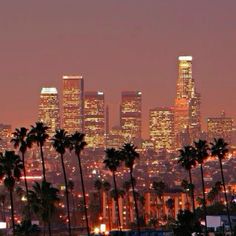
10,172
170,204
201,152
129,155
2,202
22,141
71,186
112,162
43,199
98,187
220,149
159,188
107,187
38,134
214,192
77,144
187,160
61,143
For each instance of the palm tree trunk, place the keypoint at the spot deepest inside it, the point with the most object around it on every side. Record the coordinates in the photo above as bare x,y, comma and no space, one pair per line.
204,199
26,185
49,229
43,162
108,212
135,201
84,196
67,195
192,191
226,199
12,212
117,200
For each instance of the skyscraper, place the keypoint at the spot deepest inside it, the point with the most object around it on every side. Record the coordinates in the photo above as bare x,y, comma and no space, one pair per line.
187,104
49,112
130,115
161,128
73,103
94,119
220,127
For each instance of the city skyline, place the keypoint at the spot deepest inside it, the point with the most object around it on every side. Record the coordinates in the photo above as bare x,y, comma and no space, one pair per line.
138,55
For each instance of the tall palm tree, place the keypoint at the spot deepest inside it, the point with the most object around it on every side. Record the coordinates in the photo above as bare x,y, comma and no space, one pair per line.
71,187
10,172
107,187
98,187
219,148
129,155
201,152
159,188
22,141
2,203
38,134
61,142
77,144
43,199
187,159
112,162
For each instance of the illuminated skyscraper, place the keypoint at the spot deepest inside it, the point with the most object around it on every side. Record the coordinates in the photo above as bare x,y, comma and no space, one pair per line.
220,127
5,137
187,104
130,115
161,128
94,119
73,103
49,112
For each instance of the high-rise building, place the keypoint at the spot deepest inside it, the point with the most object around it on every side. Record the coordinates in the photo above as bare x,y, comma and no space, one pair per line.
49,112
73,103
187,104
130,115
94,119
161,128
220,127
115,138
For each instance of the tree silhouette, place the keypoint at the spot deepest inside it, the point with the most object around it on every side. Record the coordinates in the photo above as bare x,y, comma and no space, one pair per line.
38,134
129,155
27,229
201,150
219,148
22,141
187,159
10,172
61,142
77,144
107,187
112,162
43,199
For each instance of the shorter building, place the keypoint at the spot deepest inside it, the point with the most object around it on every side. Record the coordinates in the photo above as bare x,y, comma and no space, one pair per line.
94,119
161,128
220,127
49,112
115,137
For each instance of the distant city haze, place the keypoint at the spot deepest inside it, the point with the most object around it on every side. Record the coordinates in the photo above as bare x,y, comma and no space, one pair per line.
116,46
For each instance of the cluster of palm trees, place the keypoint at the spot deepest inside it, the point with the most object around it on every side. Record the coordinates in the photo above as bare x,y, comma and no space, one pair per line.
113,160
43,197
196,154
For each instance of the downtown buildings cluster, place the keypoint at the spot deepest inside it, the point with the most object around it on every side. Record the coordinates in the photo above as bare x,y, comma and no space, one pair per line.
169,127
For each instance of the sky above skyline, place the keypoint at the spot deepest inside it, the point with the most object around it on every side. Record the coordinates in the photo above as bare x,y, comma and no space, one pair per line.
116,46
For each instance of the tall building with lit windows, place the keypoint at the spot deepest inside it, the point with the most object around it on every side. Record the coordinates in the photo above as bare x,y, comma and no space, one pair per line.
49,112
73,103
161,128
187,104
220,127
94,119
131,115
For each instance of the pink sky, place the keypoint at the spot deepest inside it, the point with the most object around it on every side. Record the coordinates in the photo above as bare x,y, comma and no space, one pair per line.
116,45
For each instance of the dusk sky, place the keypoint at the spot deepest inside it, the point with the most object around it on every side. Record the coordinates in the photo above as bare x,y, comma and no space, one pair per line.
116,45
